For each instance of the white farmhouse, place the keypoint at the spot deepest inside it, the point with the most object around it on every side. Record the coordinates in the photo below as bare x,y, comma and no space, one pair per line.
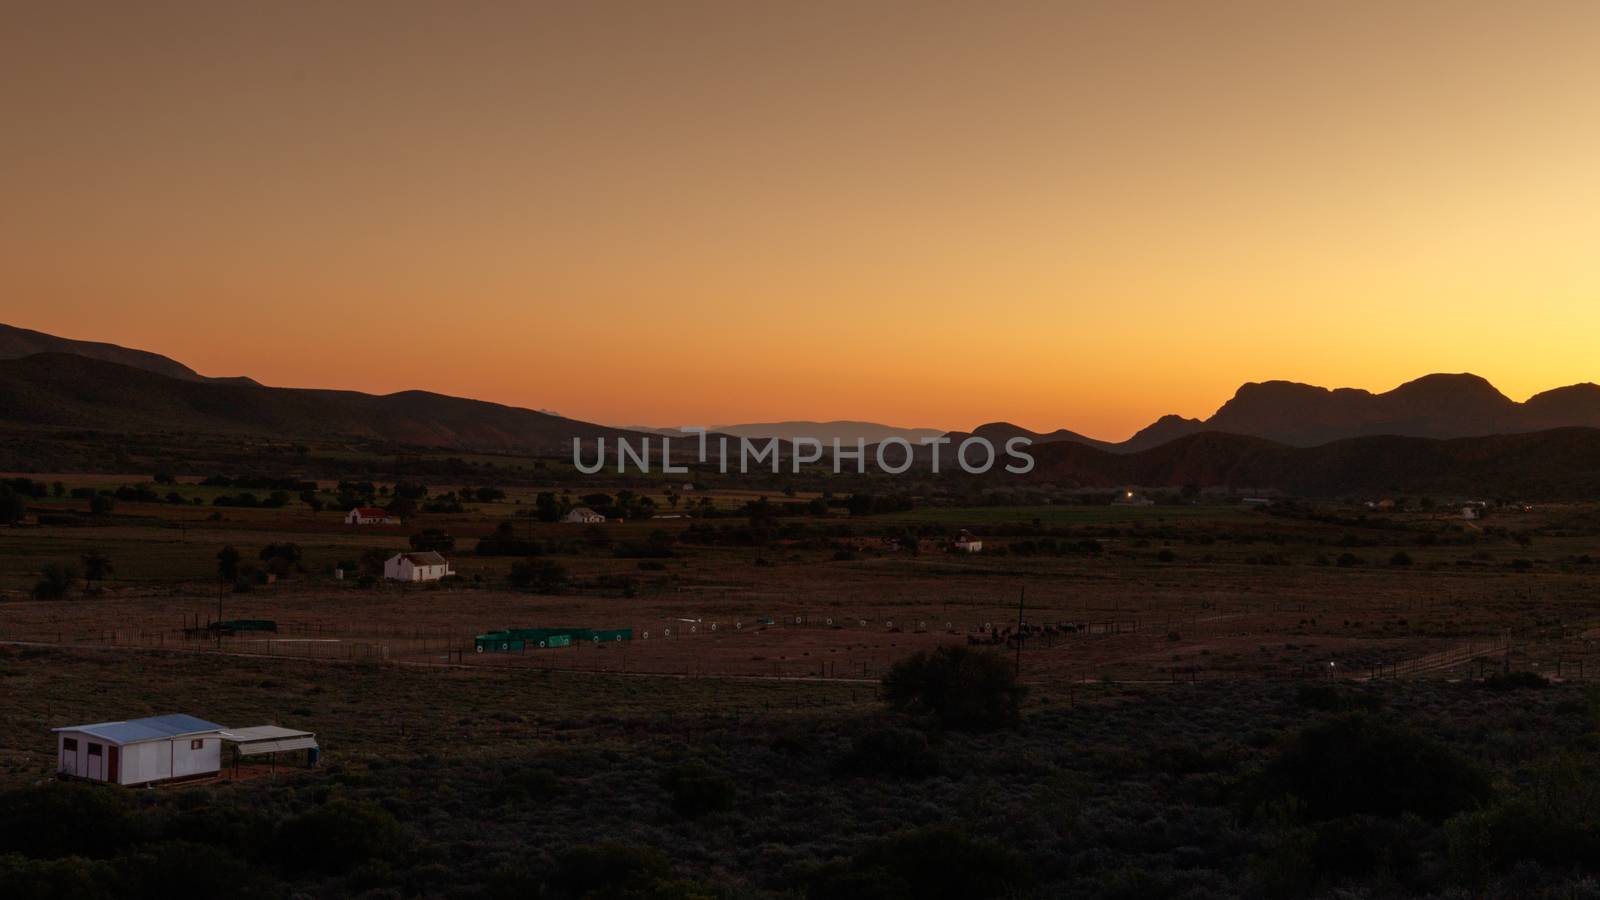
140,751
967,542
369,515
424,566
583,515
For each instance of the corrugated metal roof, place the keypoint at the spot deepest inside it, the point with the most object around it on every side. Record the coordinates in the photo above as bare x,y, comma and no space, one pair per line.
425,558
154,728
269,739
262,733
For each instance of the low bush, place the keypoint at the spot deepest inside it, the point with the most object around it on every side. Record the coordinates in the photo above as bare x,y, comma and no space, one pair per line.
936,863
895,752
962,688
1358,764
696,789
337,835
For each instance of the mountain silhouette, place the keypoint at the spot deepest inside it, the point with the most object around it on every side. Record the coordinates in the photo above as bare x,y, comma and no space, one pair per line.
1552,464
16,343
1301,415
60,390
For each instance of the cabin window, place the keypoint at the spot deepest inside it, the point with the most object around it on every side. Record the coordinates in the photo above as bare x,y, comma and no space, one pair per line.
94,749
69,743
196,744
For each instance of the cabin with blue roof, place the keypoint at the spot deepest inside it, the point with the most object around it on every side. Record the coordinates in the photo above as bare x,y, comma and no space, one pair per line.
140,751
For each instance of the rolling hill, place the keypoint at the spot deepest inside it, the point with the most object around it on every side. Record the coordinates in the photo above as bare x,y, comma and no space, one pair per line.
68,391
16,343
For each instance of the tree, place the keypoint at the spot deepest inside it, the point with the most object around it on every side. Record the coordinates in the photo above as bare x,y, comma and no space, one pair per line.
57,580
281,559
96,567
228,564
402,507
287,551
433,539
962,688
546,507
541,576
12,506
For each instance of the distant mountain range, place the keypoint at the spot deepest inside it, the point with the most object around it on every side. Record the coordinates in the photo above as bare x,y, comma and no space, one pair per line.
846,431
16,343
1301,415
1559,463
1440,432
67,391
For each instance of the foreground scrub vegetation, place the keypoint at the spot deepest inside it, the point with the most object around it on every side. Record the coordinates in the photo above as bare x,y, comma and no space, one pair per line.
503,789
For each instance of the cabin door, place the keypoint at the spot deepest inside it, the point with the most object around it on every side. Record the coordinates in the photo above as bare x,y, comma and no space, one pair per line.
69,756
114,765
96,768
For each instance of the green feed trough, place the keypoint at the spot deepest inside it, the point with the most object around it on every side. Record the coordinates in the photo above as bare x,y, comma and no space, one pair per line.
517,640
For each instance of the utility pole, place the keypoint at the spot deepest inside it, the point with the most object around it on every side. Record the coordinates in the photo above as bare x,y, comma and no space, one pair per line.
1022,594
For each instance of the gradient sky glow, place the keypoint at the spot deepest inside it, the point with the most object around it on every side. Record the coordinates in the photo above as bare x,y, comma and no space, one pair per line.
1057,214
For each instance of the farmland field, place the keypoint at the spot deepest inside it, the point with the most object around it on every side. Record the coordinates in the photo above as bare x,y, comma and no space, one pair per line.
1172,655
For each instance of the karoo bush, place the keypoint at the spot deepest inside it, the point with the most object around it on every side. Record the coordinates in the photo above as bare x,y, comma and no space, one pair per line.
895,752
962,688
337,835
1359,764
697,790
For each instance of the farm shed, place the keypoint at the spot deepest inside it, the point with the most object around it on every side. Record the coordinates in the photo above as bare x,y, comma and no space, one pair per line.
583,515
369,515
140,751
270,740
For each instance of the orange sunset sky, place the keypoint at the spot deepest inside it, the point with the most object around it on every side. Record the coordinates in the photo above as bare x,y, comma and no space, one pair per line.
1058,214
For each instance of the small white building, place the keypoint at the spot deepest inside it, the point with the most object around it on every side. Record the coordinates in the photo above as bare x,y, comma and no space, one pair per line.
369,515
140,751
583,515
967,542
1469,512
427,565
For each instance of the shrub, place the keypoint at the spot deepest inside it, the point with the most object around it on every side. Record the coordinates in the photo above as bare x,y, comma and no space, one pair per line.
51,820
1515,681
337,835
963,688
898,752
541,576
180,868
1335,698
696,790
620,871
434,539
928,864
58,879
1358,764
57,581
